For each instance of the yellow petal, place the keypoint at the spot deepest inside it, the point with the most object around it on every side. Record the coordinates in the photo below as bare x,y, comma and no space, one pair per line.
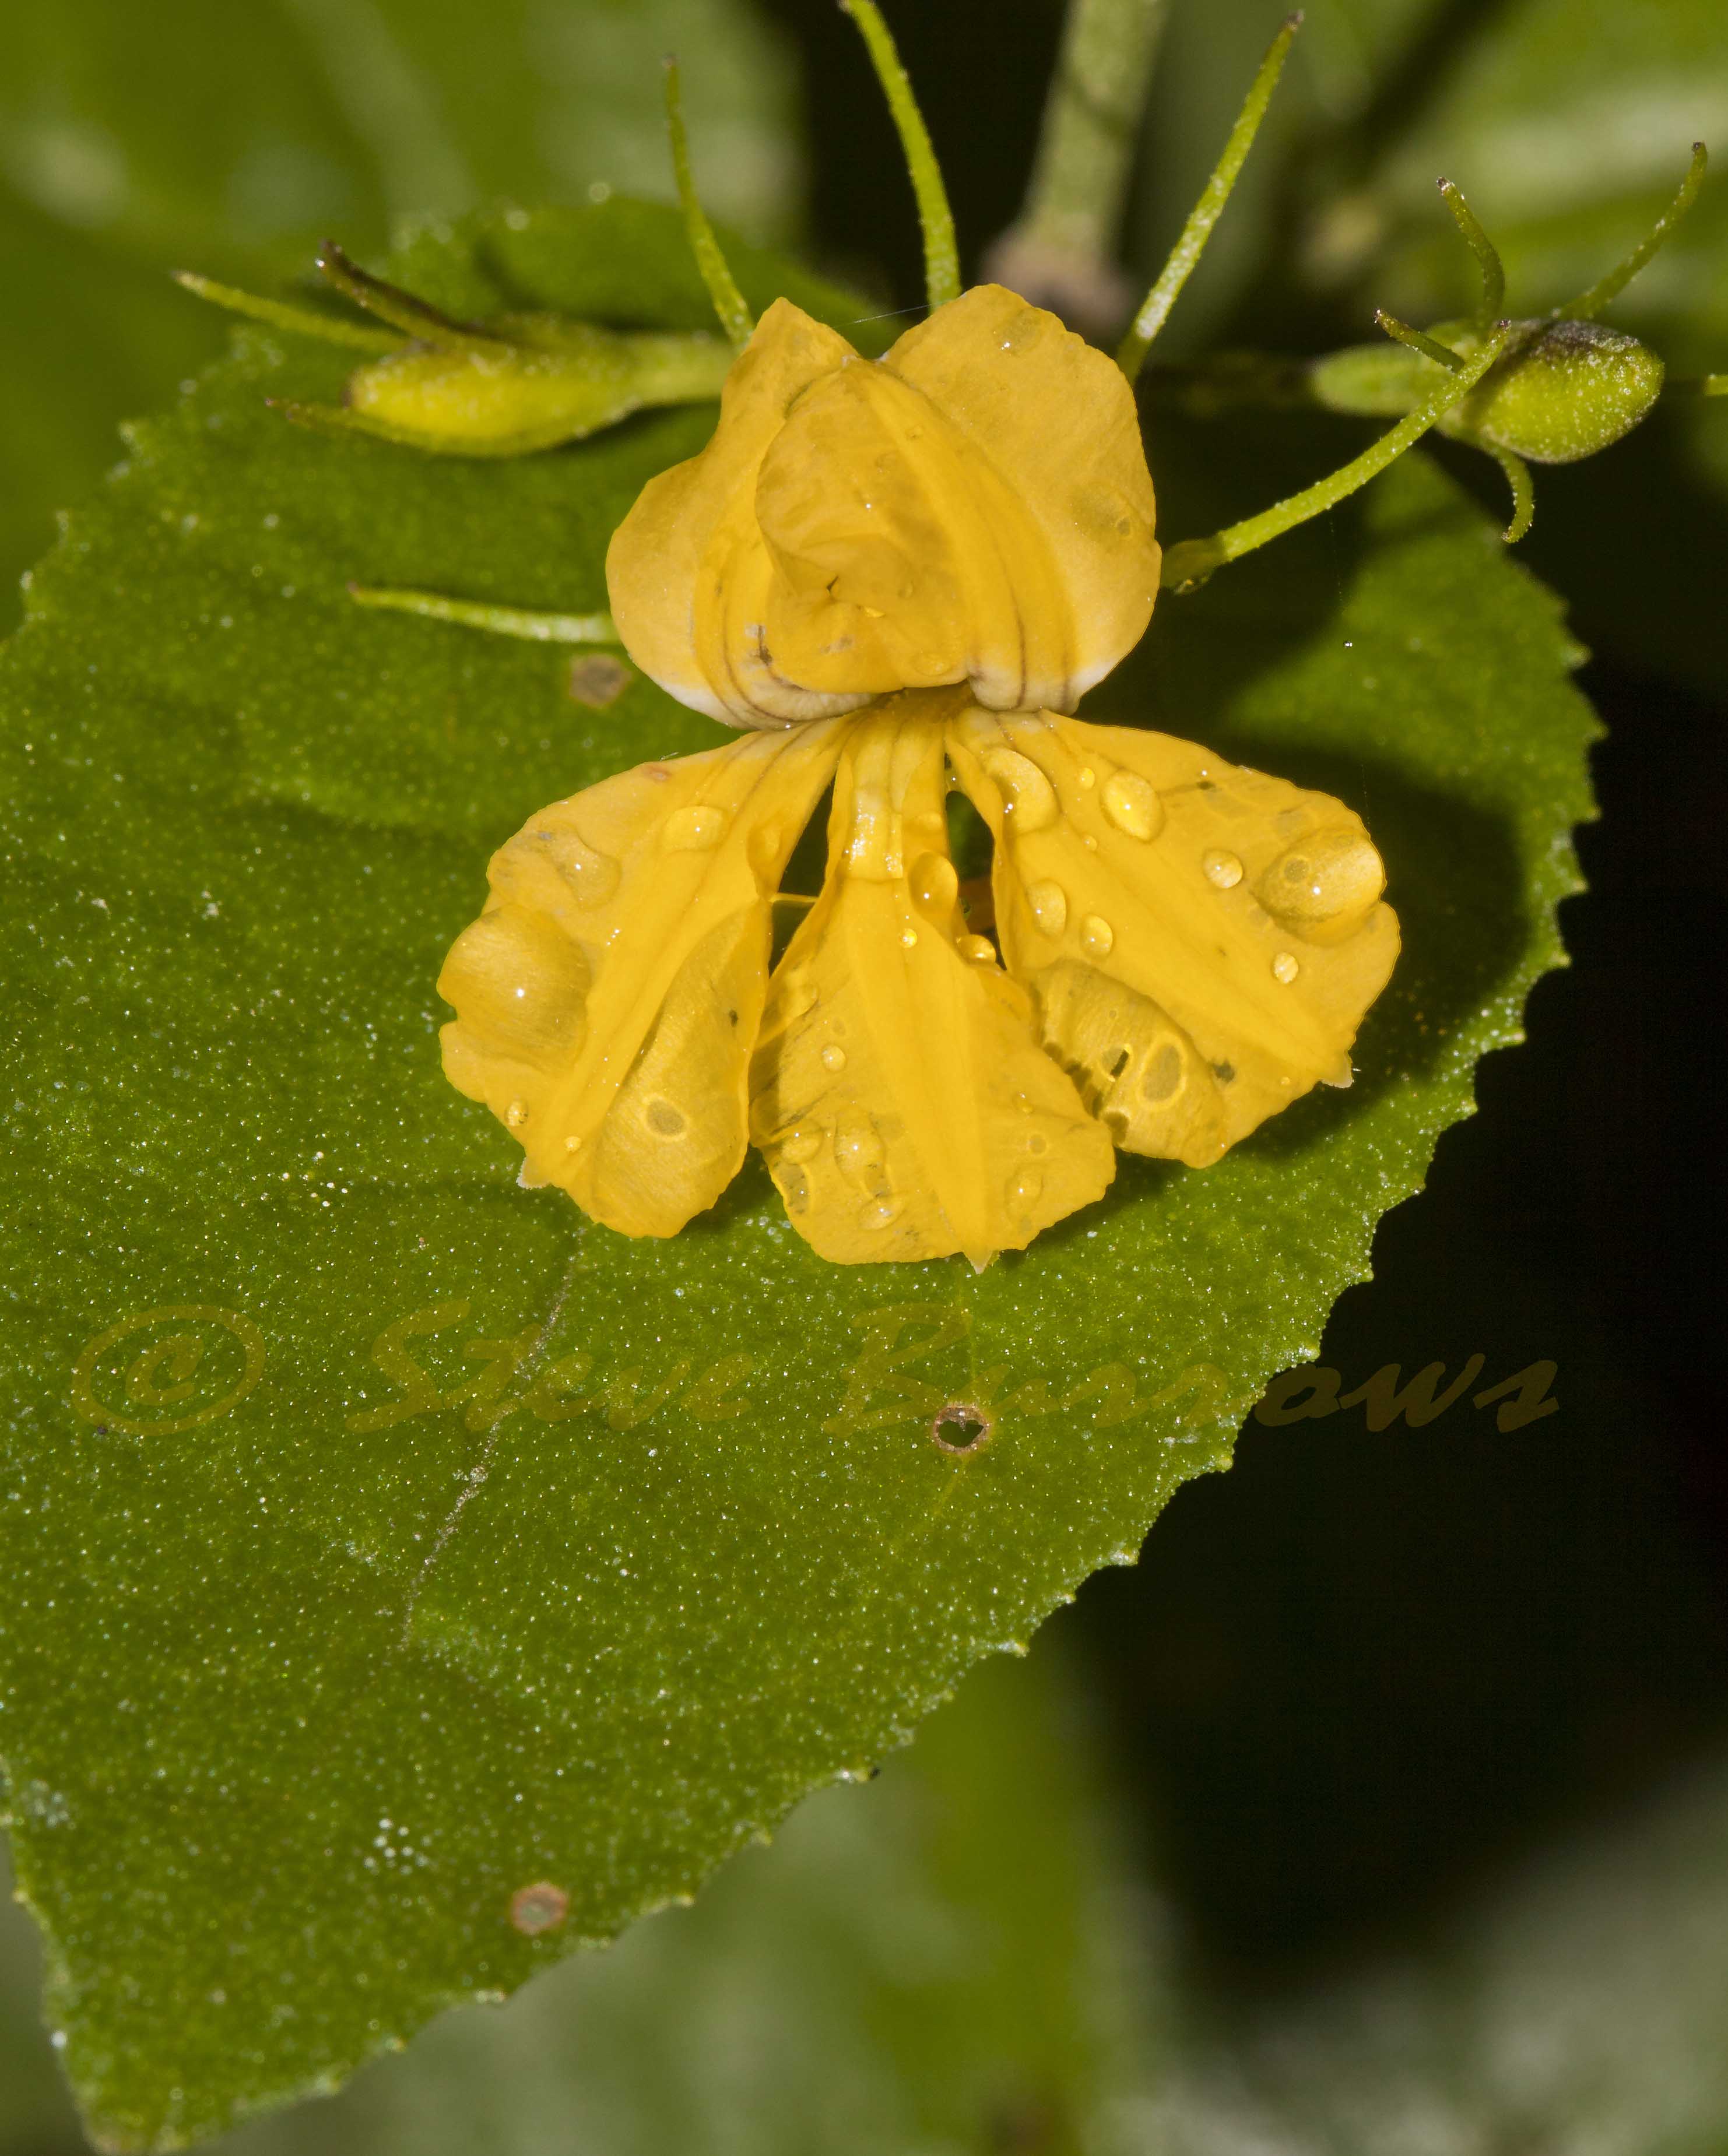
608,999
973,509
899,1094
686,570
1201,941
1056,419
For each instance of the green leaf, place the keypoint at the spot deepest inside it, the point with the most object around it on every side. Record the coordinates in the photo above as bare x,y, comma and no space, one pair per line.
327,1660
926,1962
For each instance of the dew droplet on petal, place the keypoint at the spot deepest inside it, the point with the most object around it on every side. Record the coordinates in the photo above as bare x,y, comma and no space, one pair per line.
1088,776
1285,967
935,884
834,1058
1025,1188
800,1143
1132,804
516,1114
1029,798
908,937
694,829
1096,934
794,1189
1221,869
664,1120
1323,884
879,1213
978,949
591,875
1049,903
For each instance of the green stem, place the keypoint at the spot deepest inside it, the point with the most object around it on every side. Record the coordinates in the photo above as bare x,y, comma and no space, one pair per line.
1494,273
1442,355
942,261
502,621
414,317
1086,142
1591,303
735,317
1192,561
1523,493
301,321
1190,243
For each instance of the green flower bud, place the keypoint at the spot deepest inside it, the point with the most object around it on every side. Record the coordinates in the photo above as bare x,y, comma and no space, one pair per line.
529,383
1563,391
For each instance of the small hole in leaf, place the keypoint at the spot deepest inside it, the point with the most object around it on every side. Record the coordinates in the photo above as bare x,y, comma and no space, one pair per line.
540,1907
961,1428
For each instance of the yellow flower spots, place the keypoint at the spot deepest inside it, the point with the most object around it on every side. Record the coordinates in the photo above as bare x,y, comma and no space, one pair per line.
889,572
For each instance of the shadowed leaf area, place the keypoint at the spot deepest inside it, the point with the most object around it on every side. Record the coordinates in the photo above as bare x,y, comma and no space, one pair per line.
395,1541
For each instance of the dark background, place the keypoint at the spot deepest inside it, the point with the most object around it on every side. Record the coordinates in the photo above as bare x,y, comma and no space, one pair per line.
1361,1672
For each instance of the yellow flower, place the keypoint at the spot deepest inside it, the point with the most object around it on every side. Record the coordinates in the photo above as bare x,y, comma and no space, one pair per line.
886,571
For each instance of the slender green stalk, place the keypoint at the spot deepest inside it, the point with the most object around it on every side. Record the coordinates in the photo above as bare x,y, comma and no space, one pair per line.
1085,142
502,621
942,261
1193,560
1494,273
735,317
1591,303
1418,340
301,321
414,317
1523,493
1190,243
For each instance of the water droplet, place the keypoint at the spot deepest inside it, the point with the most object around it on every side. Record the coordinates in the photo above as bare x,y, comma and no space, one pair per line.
1132,804
858,1151
892,865
1285,967
573,1145
1025,1188
591,875
834,1058
1221,869
935,884
908,937
1029,798
1088,842
664,1120
1088,776
694,829
1096,934
1326,883
794,1189
879,1213
516,1114
1049,903
800,1143
978,949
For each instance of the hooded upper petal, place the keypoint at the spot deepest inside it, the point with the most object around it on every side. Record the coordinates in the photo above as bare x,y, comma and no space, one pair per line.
1201,941
608,997
975,508
899,1093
